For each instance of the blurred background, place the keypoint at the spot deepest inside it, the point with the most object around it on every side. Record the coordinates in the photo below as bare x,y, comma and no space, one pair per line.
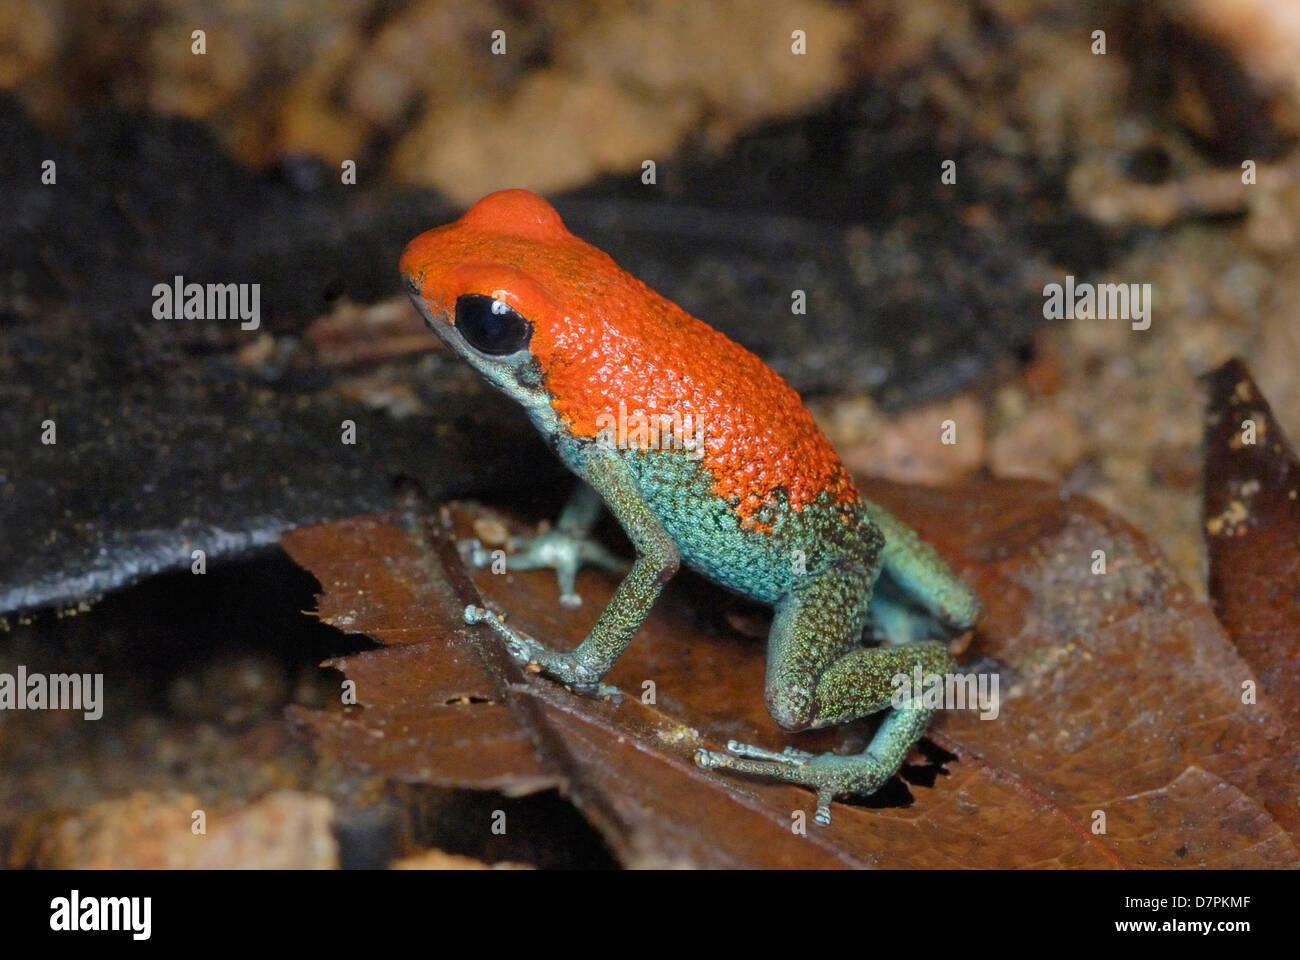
1100,140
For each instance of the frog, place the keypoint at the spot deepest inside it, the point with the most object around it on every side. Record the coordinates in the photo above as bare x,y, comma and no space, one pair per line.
740,484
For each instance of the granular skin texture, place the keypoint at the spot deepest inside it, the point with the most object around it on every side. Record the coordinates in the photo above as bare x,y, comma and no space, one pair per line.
604,339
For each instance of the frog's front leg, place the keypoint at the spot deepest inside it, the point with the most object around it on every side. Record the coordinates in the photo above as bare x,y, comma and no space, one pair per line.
566,548
818,674
656,563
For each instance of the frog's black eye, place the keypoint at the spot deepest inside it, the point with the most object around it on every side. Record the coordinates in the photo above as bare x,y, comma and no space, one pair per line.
491,326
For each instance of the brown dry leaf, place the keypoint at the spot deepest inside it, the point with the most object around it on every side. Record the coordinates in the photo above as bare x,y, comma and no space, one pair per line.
1252,532
1119,696
432,703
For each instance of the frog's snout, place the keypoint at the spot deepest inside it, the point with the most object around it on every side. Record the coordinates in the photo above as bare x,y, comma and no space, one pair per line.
421,306
411,265
414,284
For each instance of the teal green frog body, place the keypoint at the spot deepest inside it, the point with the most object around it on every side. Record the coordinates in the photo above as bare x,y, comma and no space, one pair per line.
705,457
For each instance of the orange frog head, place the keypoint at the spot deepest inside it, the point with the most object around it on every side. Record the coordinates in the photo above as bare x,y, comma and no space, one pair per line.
556,324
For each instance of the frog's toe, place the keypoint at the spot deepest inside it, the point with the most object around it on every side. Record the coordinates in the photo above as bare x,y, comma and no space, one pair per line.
473,552
566,573
520,646
822,815
831,775
759,763
788,755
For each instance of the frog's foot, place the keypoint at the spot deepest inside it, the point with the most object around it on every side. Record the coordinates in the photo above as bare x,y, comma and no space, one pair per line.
565,553
565,667
831,775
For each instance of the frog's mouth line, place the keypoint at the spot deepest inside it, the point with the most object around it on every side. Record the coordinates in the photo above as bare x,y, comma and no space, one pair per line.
441,325
414,291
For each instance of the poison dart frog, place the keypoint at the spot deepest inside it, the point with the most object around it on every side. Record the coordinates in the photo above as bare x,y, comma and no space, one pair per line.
739,484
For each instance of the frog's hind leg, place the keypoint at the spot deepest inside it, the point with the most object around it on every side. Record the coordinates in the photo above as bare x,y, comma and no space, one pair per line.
819,674
917,597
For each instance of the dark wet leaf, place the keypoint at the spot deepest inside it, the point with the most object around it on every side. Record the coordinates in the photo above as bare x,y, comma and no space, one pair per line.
184,434
1252,533
1120,694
